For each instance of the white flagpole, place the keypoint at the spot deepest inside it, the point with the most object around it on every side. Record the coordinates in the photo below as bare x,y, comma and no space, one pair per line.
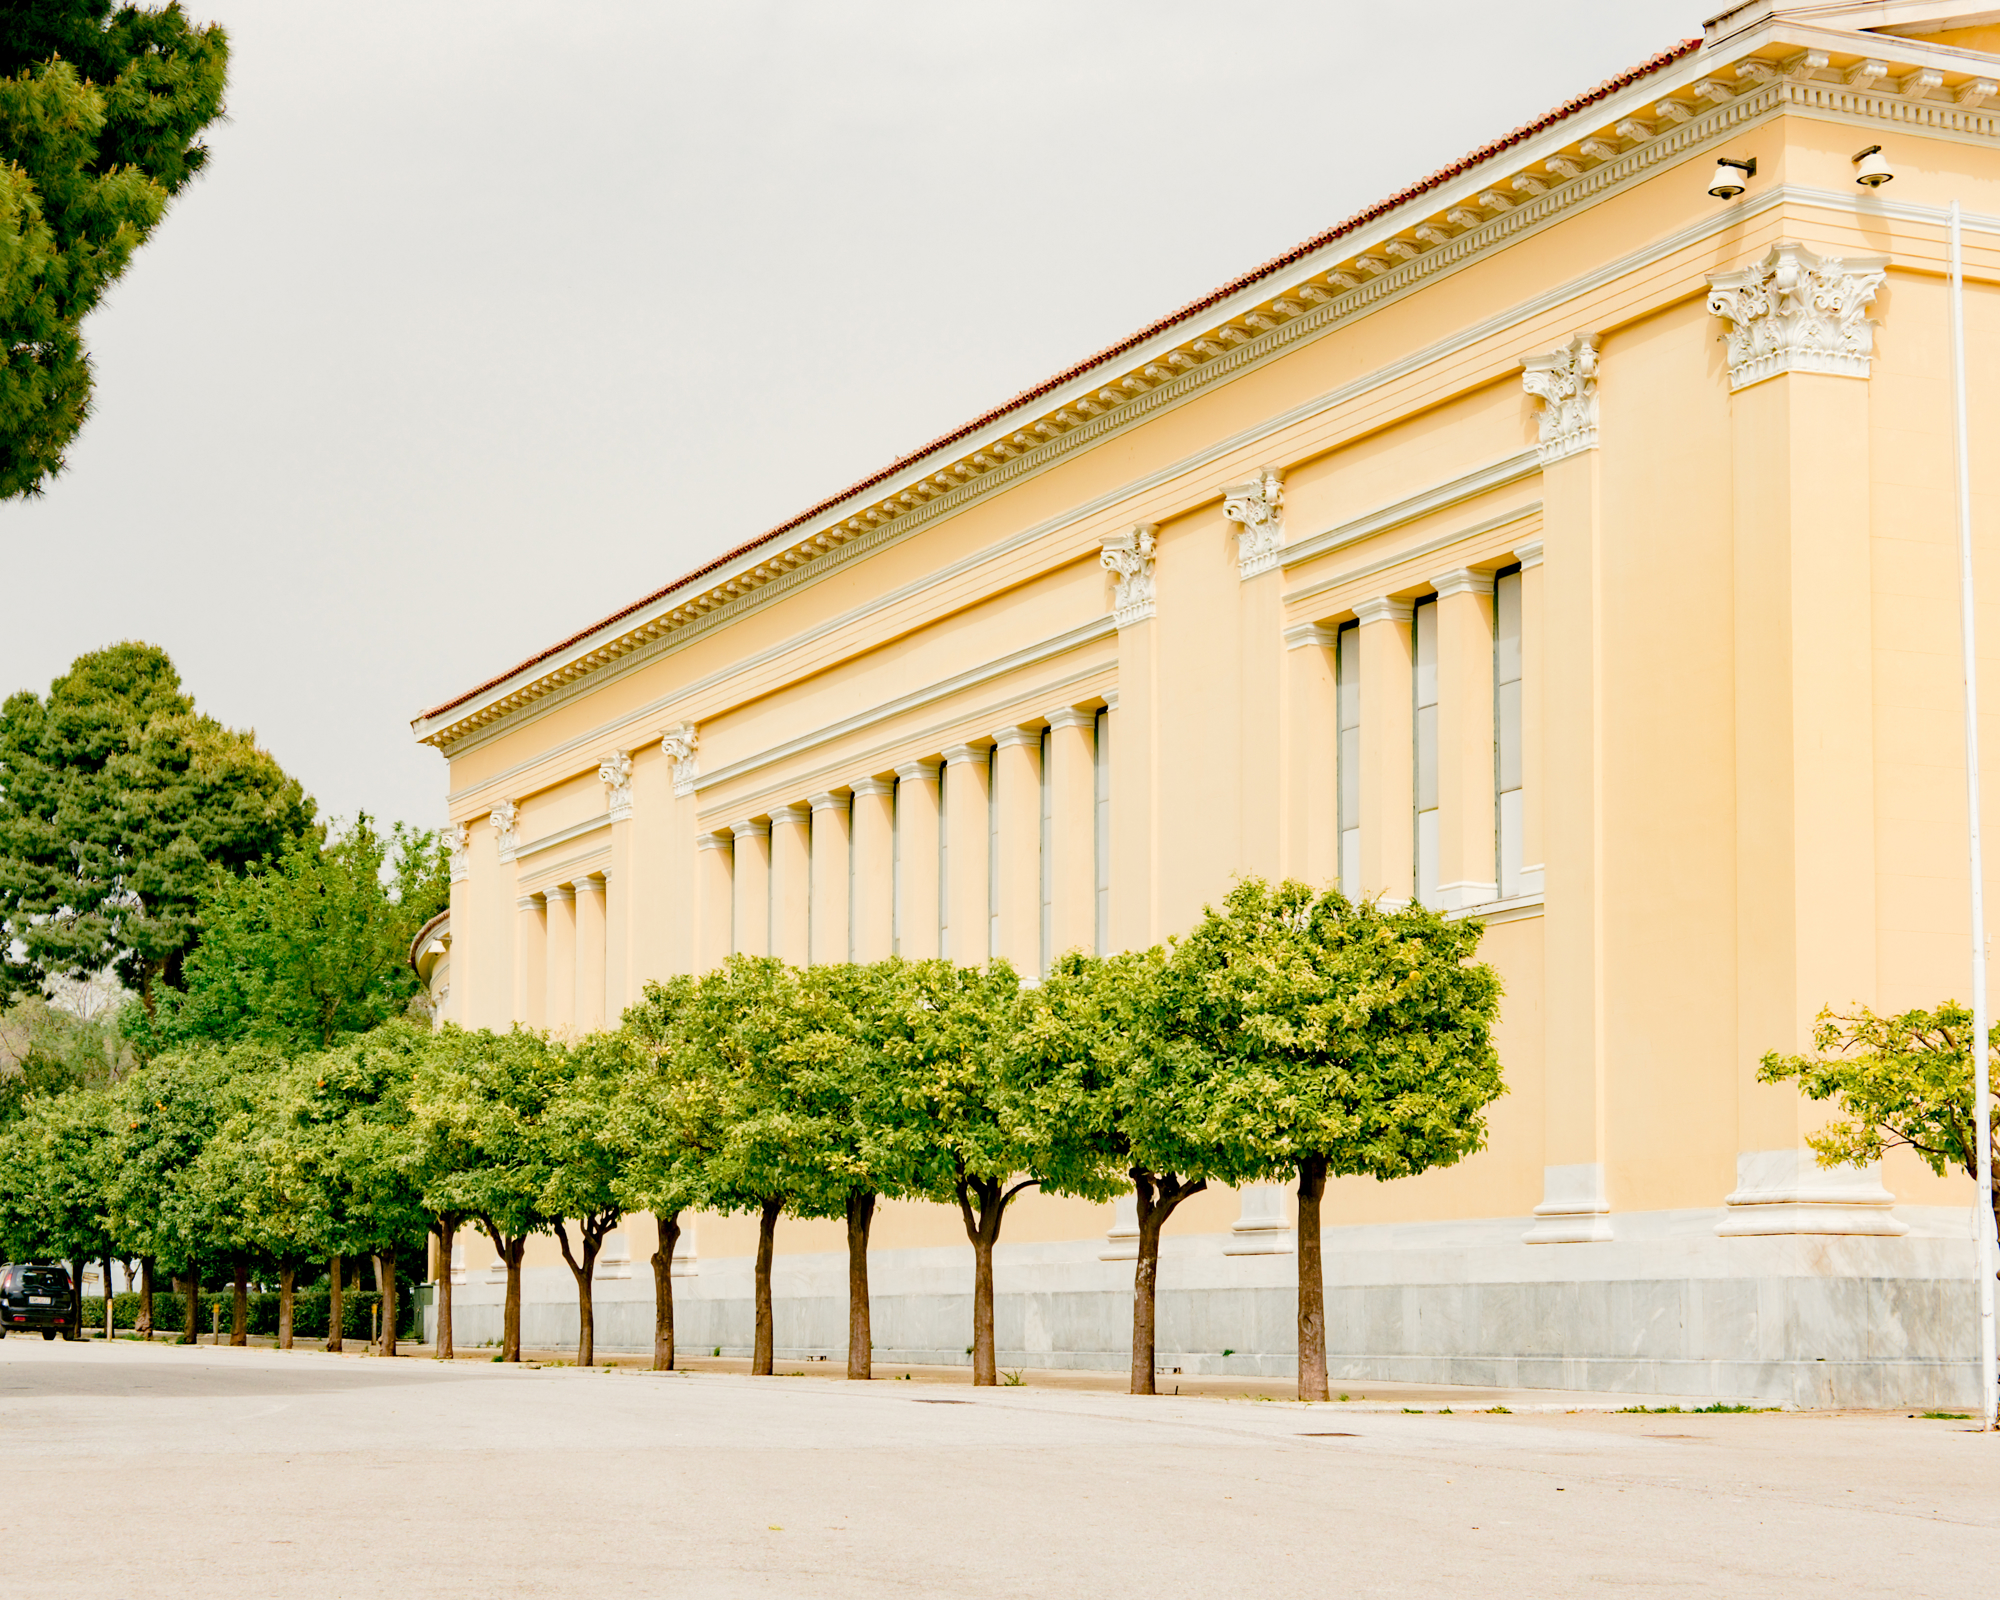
1989,1363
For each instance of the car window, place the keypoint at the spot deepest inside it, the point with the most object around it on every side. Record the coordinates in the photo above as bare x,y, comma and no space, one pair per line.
45,1280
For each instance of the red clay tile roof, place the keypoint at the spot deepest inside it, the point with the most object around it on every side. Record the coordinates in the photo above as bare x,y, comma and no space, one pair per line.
1276,264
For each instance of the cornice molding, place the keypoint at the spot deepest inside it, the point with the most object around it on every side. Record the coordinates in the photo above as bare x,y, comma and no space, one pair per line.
562,836
1414,554
1426,502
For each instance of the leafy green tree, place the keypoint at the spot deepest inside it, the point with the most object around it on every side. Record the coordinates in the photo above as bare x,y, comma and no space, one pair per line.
160,1199
751,1036
1899,1081
1124,1083
477,1100
52,1180
47,1050
581,1158
669,1127
1349,1040
946,1045
118,800
101,114
311,946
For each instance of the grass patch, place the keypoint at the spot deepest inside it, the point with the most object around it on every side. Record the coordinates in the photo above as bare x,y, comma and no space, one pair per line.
1015,1379
1720,1408
1412,1411
1947,1416
1498,1411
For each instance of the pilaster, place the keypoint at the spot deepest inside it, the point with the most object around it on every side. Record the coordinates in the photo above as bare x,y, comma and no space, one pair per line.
715,892
750,883
872,839
831,843
967,931
676,928
531,961
1312,802
559,987
791,884
617,775
1017,769
1072,830
591,951
1533,870
919,894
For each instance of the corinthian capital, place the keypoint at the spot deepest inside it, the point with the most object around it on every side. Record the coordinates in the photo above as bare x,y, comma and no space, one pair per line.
504,817
458,845
1795,311
1130,556
679,742
1256,508
1565,381
616,776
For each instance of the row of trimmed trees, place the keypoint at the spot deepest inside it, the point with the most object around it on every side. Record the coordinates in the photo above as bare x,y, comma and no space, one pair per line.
1287,1036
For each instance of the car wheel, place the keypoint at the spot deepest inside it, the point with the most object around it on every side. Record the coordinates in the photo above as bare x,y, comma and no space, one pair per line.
48,1333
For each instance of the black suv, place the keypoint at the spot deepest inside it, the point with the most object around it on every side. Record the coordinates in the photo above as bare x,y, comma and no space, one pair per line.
36,1299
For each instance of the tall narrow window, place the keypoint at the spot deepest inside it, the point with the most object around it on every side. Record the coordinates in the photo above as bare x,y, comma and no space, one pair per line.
1424,638
1100,767
1507,727
992,852
1048,886
944,867
1347,702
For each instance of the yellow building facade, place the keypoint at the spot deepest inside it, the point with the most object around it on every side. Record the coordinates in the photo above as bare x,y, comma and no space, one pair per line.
1559,543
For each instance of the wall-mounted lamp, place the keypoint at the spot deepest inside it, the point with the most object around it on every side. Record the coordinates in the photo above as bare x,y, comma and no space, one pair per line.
1872,168
1732,176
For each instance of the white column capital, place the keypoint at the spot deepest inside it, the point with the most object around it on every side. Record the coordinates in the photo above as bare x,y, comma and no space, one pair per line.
962,755
719,840
528,902
584,886
750,828
1383,609
1462,580
1529,554
872,786
1129,557
556,893
1257,508
1072,717
1798,311
457,840
1301,634
918,772
506,819
1565,381
1110,699
615,773
680,742
798,816
827,801
1005,737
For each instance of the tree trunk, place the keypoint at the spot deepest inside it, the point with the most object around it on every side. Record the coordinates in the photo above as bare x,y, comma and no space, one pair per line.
110,1308
385,1275
447,1229
509,1251
145,1318
76,1299
287,1285
1312,1281
767,1233
860,1342
334,1310
239,1308
193,1335
590,1232
663,1291
1158,1195
982,1227
375,1266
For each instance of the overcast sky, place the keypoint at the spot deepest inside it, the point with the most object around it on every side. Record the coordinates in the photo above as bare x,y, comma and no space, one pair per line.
490,317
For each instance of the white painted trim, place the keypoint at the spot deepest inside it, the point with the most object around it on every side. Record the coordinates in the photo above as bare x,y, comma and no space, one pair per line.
1424,503
549,841
1301,634
1417,552
1383,609
1529,554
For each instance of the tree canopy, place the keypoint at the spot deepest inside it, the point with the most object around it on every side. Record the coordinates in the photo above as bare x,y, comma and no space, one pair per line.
118,802
101,117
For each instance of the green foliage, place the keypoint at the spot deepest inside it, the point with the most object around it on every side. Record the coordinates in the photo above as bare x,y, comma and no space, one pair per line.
47,1050
310,947
578,1153
663,1119
1902,1080
477,1100
100,118
118,802
311,1312
1342,1031
52,1179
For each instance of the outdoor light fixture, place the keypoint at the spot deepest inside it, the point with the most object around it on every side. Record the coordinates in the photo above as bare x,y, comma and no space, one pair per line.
1732,175
1873,168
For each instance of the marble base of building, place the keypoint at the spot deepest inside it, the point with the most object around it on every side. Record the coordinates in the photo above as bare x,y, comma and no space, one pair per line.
1666,1307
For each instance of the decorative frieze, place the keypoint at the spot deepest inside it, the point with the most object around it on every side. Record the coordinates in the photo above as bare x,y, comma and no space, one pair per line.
616,776
1257,508
1129,556
680,742
1565,381
458,845
1796,311
506,815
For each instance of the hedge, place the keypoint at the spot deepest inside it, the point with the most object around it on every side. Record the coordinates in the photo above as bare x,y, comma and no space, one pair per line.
309,1312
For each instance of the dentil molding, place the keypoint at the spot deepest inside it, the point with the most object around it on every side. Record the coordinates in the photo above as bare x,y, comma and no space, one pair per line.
1796,311
1130,556
1565,381
1256,508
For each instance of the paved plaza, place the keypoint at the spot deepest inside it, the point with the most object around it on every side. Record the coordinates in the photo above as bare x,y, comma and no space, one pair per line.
139,1469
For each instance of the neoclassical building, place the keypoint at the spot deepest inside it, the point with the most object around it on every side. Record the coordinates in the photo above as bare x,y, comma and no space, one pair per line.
1565,542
